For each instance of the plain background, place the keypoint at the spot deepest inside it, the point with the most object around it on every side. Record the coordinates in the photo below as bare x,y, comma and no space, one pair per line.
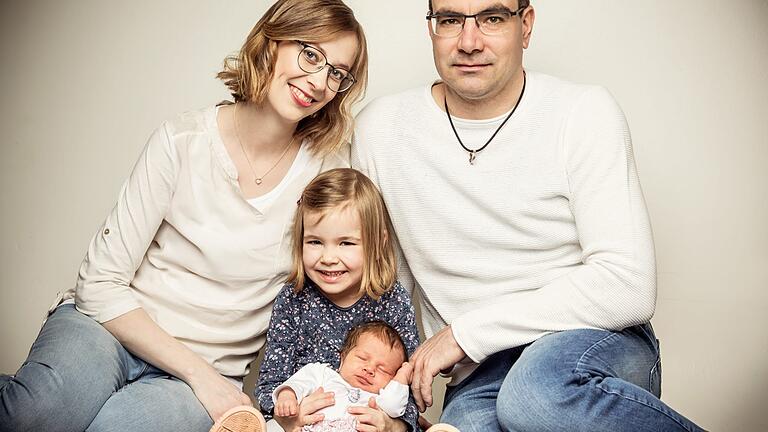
84,82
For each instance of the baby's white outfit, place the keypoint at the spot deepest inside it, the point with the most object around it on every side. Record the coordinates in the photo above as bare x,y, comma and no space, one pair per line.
392,399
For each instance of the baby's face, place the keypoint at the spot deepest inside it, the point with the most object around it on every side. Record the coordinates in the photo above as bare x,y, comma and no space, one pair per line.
371,364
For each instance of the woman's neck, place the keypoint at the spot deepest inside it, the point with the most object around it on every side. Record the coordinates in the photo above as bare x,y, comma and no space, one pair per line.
261,129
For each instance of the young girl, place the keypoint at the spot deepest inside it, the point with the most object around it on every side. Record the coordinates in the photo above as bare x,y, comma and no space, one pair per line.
173,298
343,275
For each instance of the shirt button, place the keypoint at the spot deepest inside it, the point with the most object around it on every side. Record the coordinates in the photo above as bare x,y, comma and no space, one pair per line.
106,231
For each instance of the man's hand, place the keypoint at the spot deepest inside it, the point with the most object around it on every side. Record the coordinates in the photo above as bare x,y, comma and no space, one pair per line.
307,413
372,419
438,353
287,405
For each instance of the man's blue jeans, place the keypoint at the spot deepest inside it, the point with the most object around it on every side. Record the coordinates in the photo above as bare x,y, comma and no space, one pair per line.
576,380
78,377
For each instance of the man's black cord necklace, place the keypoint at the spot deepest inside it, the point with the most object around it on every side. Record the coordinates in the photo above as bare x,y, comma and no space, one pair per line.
472,153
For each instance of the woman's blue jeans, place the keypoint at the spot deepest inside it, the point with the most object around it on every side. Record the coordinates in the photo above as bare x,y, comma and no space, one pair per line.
576,380
79,378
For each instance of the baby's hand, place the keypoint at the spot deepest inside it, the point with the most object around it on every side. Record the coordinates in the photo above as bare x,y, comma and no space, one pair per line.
404,374
287,405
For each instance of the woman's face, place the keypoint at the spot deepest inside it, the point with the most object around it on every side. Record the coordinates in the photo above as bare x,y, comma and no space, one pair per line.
295,94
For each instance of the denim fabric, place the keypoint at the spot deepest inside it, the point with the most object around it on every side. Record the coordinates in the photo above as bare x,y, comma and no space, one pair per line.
577,380
78,377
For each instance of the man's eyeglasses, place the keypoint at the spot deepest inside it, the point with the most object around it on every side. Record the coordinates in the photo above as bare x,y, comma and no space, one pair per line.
312,60
490,22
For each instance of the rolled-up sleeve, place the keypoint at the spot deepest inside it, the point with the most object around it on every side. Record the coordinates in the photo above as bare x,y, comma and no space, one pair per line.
103,286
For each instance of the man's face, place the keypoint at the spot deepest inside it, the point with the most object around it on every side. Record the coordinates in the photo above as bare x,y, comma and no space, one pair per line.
476,66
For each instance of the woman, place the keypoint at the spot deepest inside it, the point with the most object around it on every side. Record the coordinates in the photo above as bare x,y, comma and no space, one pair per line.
174,295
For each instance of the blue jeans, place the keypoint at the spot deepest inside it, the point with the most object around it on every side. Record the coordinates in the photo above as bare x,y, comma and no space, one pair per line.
577,380
78,378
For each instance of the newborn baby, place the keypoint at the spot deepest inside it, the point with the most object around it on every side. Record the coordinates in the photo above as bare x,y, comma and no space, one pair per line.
373,364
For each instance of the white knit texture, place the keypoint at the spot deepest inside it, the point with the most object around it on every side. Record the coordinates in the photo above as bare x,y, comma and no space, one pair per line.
548,231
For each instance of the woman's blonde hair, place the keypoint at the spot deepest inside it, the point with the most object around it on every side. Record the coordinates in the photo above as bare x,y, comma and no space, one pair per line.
337,189
248,73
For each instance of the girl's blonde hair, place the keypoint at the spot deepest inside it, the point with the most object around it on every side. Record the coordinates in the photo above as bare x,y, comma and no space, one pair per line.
337,189
248,73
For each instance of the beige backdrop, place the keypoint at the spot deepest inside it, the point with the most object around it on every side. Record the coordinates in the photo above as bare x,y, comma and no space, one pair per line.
85,81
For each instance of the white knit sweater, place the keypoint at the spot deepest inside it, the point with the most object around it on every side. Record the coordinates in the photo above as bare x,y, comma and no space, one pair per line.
548,231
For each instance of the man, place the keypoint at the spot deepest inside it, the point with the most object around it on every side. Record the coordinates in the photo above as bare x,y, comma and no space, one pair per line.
517,205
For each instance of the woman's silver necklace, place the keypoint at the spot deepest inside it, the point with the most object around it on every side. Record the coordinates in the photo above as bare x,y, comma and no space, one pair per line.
473,153
258,179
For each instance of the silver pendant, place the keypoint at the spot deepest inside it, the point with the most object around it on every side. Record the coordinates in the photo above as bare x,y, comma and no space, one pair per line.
257,181
472,157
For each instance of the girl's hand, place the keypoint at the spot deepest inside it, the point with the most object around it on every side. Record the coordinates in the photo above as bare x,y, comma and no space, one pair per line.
372,419
307,413
217,394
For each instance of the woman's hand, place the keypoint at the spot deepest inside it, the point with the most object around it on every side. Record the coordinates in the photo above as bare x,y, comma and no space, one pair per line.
308,409
372,419
140,335
217,394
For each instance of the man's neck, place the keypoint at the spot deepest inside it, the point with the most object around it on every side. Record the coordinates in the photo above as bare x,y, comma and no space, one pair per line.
478,108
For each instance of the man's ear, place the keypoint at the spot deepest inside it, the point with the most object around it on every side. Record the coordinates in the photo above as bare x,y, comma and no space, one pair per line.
529,16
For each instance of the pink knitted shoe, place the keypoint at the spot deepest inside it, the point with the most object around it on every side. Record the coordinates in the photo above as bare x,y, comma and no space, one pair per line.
240,419
442,427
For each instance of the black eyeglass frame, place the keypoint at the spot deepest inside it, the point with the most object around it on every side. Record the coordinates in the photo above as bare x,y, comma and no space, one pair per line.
464,18
350,76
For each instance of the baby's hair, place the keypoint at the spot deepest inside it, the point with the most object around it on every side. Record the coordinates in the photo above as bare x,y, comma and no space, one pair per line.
379,329
337,189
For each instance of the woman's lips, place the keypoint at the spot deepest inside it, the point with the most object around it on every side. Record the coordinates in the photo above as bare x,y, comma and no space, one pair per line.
301,97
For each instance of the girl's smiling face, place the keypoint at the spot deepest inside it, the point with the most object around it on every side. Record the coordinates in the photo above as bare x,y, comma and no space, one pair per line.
333,254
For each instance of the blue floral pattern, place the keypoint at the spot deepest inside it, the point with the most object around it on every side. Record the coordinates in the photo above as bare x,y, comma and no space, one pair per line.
306,328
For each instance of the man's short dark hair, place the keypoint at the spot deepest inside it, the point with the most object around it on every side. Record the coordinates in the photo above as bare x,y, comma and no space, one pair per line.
520,3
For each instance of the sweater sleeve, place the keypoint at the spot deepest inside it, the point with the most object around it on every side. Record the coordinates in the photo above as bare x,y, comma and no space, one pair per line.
303,382
615,284
280,353
103,287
